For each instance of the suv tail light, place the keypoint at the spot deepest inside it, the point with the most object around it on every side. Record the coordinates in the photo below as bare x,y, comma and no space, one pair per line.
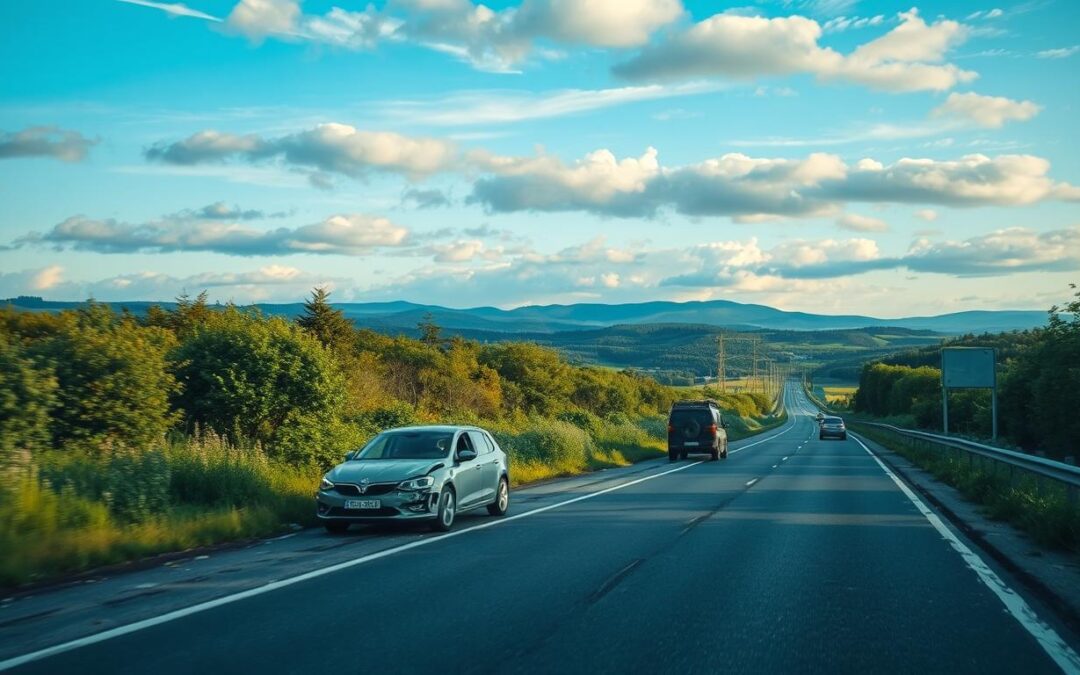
671,428
712,429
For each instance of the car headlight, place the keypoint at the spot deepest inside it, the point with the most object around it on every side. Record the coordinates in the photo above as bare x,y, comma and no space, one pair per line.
416,483
326,484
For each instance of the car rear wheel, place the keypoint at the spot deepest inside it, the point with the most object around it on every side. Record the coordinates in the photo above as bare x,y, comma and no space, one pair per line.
502,499
672,455
335,526
444,518
684,454
723,455
715,454
843,437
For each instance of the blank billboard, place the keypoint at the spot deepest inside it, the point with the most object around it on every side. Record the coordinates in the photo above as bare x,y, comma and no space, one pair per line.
967,367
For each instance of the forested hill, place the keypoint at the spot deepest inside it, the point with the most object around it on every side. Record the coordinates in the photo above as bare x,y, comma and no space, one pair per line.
389,316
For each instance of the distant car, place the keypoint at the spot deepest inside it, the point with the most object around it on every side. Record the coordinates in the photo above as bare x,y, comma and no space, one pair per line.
832,427
428,473
696,426
820,417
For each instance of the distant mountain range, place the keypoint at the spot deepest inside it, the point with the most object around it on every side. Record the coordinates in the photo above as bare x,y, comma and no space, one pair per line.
400,315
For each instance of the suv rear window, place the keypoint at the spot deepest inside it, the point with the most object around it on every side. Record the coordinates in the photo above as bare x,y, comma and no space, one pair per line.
689,417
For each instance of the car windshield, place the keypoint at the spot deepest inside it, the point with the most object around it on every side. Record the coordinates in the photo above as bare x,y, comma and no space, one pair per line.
408,445
833,420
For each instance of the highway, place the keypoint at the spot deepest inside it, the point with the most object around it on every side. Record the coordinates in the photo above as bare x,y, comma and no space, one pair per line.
794,555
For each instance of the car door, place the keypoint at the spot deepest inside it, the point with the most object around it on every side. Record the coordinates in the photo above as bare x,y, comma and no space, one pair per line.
467,476
489,465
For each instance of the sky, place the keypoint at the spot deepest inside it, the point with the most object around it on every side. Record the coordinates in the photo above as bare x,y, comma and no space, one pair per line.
831,156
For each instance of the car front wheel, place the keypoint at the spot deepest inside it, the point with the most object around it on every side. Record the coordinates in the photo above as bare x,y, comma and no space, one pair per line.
502,499
444,518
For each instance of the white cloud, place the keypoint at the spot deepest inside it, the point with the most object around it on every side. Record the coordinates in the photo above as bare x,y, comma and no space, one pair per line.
860,223
347,234
45,141
174,9
752,188
1059,53
985,14
257,19
990,112
1011,250
331,147
972,180
48,277
907,58
929,215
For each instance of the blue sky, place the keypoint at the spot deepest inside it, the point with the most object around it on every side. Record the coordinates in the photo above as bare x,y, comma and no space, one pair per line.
833,156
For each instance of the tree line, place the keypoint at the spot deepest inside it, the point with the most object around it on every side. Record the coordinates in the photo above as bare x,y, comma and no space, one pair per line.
305,391
1038,386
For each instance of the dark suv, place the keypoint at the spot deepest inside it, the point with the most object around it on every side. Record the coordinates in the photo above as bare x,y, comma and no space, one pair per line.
696,426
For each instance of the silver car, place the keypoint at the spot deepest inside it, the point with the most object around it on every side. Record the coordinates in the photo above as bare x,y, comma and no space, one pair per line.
416,473
832,427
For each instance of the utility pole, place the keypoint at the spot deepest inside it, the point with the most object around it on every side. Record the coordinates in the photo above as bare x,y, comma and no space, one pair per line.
721,366
754,369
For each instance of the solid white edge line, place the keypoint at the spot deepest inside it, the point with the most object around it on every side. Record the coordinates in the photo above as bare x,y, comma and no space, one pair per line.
119,631
751,482
1056,648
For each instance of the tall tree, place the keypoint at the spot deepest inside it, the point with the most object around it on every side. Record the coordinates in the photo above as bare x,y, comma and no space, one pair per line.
325,323
430,333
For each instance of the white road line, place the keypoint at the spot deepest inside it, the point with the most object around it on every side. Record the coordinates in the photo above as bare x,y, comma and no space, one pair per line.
751,482
1056,648
283,583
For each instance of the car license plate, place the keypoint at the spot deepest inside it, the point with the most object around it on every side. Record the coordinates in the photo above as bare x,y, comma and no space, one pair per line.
691,444
362,504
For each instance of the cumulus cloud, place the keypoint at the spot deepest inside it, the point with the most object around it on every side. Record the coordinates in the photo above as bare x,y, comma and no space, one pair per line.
860,223
1017,249
45,141
347,234
753,188
929,215
972,180
494,40
907,58
1008,251
331,148
990,112
174,9
598,182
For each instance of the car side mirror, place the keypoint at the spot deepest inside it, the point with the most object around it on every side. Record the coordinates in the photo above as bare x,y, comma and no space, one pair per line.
350,455
466,455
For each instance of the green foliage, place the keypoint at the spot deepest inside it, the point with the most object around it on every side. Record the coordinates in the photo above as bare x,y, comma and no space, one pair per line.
27,397
1038,391
247,376
113,381
326,324
1043,511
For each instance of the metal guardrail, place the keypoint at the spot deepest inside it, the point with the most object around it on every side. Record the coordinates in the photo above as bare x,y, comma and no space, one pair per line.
1063,473
1066,474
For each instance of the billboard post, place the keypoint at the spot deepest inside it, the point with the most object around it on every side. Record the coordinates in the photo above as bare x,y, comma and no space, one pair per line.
969,368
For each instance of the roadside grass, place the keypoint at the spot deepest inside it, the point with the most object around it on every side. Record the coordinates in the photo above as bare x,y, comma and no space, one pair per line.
1041,509
66,511
839,396
69,511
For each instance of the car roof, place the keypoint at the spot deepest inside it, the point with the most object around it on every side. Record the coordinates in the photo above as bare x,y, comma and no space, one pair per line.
703,403
834,419
448,428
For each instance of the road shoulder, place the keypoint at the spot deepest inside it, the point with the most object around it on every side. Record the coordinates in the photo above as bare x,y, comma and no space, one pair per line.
1052,576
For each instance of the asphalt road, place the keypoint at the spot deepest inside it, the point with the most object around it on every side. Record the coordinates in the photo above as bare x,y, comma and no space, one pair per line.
794,555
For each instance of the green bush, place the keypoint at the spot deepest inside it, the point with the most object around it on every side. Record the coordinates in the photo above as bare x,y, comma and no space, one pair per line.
27,397
247,376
